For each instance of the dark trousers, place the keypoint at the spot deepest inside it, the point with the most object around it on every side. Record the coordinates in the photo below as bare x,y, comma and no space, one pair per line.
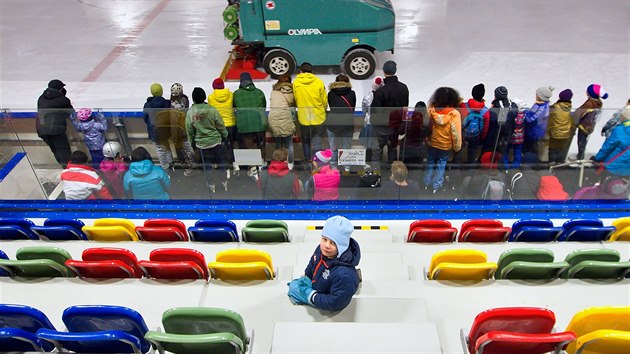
581,141
229,143
60,147
213,156
312,139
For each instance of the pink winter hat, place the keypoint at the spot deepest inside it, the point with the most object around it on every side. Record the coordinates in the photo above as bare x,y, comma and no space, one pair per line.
596,91
322,157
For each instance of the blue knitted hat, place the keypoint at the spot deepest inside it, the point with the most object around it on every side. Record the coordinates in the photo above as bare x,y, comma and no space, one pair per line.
338,229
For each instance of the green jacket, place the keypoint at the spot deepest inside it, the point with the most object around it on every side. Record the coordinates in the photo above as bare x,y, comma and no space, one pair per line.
250,104
204,126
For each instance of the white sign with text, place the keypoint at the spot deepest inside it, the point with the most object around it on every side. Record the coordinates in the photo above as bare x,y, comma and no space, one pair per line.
351,157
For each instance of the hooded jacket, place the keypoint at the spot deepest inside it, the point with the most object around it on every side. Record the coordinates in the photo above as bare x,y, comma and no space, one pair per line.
560,120
223,101
446,129
342,101
204,126
53,107
144,180
615,153
409,124
310,98
93,130
536,119
282,110
113,173
324,184
278,182
502,130
551,189
336,279
250,104
393,95
476,106
81,182
587,114
150,110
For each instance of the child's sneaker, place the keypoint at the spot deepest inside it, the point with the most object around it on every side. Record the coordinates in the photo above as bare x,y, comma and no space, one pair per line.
212,188
235,167
225,185
190,172
227,174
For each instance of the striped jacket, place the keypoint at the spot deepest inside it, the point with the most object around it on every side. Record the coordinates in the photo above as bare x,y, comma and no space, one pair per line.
82,182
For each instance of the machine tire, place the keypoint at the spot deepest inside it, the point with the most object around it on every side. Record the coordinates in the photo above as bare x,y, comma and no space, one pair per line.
279,62
359,64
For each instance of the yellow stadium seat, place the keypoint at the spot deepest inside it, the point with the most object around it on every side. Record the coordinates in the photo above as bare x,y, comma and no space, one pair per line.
623,229
242,264
111,229
604,341
463,271
457,256
597,318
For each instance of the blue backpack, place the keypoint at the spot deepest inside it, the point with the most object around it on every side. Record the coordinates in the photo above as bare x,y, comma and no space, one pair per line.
473,123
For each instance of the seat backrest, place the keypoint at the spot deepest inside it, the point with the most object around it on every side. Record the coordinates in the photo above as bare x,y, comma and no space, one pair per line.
3,273
457,256
603,255
204,320
270,234
596,318
599,270
212,234
244,256
267,223
569,224
109,233
56,254
533,230
463,271
511,319
75,223
217,223
125,223
604,341
162,230
502,342
539,255
23,317
432,223
94,318
166,223
17,229
587,233
622,226
480,223
484,234
179,255
113,254
431,231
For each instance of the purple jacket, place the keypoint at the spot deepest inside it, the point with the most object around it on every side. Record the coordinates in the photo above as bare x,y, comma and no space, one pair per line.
93,130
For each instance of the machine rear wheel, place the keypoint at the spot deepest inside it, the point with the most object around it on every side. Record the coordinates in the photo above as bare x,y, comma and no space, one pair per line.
359,64
279,62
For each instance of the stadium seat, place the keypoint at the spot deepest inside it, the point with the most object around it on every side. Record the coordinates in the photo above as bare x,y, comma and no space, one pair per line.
111,229
585,230
162,230
431,231
587,321
200,330
99,329
3,273
622,229
482,230
596,264
106,263
213,231
242,264
175,263
17,229
61,230
515,330
18,325
534,230
266,231
604,341
38,261
529,263
460,265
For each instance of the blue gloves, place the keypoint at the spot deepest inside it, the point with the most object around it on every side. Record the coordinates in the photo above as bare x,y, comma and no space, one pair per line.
300,291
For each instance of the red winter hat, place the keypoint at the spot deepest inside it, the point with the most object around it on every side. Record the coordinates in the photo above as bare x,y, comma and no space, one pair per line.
218,84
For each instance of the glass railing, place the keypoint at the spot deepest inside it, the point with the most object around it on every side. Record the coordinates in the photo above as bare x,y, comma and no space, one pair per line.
281,154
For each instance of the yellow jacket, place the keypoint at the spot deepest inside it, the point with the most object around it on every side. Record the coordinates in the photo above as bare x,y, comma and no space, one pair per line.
311,99
223,101
446,127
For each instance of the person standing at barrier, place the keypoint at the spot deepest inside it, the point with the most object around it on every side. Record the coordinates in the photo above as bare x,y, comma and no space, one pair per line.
560,126
311,100
340,121
53,108
250,104
82,182
446,135
206,131
113,168
93,125
587,115
158,133
615,153
282,115
366,135
145,180
331,277
475,122
536,119
222,99
393,95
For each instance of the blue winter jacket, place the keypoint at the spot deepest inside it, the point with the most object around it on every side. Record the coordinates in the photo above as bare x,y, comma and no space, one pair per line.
536,119
144,180
151,107
615,153
335,280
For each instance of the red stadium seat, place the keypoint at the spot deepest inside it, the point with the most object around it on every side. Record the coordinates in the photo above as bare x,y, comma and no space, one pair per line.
431,231
106,263
162,230
500,342
175,263
483,230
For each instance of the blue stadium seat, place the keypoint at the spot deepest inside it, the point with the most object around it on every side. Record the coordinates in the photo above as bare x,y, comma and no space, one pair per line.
3,273
18,325
585,230
17,229
213,231
100,329
534,230
61,230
